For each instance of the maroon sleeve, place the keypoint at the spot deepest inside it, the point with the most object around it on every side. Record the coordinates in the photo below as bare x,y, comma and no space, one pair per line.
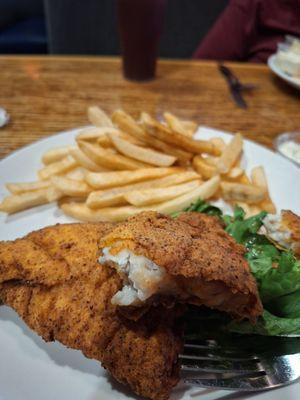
227,40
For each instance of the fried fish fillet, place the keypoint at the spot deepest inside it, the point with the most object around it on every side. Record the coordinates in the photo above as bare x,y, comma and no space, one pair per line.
191,259
52,279
284,230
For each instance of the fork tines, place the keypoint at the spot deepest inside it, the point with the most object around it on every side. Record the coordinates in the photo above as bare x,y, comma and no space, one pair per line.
215,360
207,364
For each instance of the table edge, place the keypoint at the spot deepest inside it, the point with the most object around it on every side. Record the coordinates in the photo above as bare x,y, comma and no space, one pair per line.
117,59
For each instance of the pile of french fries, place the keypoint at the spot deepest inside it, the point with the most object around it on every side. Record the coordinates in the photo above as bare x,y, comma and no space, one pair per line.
121,166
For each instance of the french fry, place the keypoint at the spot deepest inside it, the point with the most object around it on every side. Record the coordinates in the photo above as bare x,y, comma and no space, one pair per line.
127,124
106,159
94,133
168,180
70,187
218,142
163,133
190,127
114,214
204,191
78,174
106,180
244,179
98,117
54,194
203,168
104,141
268,205
147,197
230,154
100,137
249,209
240,192
258,177
18,188
19,202
82,212
85,161
238,163
176,125
58,167
182,156
234,173
131,139
56,154
128,163
145,155
217,195
115,196
106,198
211,160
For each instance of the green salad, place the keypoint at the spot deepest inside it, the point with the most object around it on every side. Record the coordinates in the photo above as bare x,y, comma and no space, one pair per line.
277,273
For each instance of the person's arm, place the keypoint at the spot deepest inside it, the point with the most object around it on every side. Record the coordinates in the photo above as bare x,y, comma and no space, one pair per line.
228,38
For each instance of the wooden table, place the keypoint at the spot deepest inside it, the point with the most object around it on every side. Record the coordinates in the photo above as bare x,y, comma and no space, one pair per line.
45,95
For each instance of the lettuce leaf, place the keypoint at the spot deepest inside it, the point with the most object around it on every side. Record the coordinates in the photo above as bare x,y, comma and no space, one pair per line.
277,274
268,325
280,280
286,306
241,229
201,206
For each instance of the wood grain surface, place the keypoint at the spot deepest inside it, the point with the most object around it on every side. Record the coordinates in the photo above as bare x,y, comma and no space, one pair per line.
45,95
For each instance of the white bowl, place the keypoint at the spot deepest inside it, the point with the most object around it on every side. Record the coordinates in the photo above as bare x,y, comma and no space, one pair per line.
285,137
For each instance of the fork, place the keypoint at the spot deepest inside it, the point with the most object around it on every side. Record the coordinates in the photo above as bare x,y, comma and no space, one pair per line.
208,364
235,86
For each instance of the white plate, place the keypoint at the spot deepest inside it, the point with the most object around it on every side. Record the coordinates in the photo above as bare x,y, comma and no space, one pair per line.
33,370
283,75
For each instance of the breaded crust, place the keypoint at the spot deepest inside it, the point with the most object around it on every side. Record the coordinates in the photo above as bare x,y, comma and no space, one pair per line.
291,222
193,246
66,250
51,278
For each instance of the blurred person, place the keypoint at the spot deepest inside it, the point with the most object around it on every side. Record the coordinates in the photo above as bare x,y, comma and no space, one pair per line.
249,30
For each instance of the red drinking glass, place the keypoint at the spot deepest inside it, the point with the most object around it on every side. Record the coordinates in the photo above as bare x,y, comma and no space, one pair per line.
140,26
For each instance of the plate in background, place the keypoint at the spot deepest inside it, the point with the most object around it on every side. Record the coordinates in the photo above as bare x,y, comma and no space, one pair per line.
295,82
